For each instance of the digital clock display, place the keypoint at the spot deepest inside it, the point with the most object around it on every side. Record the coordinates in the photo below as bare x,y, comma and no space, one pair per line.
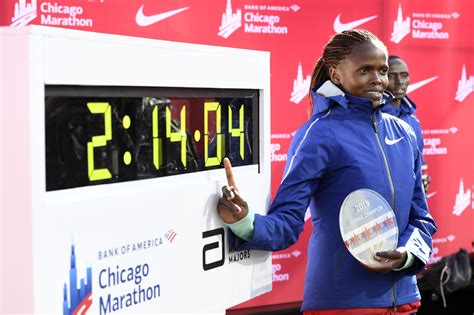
100,135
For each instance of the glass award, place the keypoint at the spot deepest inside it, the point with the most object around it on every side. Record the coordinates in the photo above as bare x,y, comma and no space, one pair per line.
368,225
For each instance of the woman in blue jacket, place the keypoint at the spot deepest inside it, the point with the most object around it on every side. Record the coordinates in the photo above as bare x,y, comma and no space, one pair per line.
346,145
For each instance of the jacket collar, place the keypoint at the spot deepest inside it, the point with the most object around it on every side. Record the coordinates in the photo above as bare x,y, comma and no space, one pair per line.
329,93
407,107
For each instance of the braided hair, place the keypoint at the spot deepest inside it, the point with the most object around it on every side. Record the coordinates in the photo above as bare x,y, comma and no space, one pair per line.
338,47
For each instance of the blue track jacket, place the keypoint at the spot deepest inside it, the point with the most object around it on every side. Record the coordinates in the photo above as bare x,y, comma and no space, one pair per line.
343,147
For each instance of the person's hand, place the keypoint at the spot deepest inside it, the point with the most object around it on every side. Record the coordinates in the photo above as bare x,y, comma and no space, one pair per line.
389,260
231,207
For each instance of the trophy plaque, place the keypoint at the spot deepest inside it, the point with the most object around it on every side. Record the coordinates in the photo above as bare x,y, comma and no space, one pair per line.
368,225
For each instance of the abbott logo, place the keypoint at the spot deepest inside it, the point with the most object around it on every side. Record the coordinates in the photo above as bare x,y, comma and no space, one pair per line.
300,86
24,13
465,86
401,27
230,21
208,250
463,199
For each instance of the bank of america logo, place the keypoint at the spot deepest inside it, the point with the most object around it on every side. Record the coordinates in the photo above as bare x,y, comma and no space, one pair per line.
300,86
465,86
230,21
401,27
79,299
170,235
296,253
24,12
463,200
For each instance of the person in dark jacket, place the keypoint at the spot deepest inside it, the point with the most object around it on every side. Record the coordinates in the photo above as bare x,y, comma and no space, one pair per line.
347,145
403,107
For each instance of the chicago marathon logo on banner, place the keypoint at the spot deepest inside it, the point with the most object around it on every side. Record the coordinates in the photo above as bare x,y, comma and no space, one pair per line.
118,285
51,14
419,27
278,275
465,86
256,19
433,142
79,299
276,155
463,199
300,86
433,146
24,12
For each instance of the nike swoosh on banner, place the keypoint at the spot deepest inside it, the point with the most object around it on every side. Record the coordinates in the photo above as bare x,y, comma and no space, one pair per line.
147,20
339,27
431,195
418,85
392,142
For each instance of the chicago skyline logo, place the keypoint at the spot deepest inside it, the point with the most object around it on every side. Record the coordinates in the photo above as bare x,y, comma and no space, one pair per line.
465,86
300,86
401,27
24,13
230,21
80,299
463,199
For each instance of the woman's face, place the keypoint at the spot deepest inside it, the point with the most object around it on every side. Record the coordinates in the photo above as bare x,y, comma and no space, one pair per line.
363,73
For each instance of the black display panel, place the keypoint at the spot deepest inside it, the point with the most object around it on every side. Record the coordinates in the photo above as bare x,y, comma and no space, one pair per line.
101,135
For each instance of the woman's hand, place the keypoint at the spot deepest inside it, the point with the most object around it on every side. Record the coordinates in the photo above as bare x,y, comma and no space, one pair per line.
231,207
389,260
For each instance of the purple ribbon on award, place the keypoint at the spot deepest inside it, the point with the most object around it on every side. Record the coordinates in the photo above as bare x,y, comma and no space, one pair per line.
368,225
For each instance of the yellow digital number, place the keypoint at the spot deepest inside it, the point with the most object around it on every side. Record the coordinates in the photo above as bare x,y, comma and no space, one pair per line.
157,142
213,161
238,132
99,141
180,135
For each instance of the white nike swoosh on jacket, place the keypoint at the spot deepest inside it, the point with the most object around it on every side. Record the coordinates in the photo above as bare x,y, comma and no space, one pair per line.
146,20
392,142
339,27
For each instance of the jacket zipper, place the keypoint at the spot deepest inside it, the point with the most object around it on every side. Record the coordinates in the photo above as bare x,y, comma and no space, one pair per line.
392,190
